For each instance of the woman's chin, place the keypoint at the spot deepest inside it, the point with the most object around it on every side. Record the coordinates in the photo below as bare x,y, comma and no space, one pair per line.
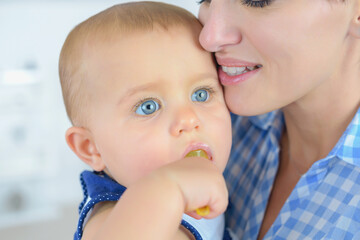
243,109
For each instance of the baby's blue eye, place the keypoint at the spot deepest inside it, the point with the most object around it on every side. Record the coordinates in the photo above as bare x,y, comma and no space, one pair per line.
148,107
201,95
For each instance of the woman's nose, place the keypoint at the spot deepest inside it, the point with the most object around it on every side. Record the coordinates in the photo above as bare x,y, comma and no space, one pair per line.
185,121
219,30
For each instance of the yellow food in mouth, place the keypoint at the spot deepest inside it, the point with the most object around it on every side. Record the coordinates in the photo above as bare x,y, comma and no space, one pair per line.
197,153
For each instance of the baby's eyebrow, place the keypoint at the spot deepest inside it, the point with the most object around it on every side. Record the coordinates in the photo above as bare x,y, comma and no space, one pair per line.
139,88
202,76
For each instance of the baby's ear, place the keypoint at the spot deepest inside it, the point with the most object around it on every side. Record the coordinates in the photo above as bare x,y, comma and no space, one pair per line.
80,140
355,24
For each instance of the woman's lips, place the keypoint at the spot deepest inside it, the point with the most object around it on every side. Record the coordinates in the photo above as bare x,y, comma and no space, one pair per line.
232,71
226,79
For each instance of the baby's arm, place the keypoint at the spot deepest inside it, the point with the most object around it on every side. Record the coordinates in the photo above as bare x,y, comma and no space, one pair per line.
152,208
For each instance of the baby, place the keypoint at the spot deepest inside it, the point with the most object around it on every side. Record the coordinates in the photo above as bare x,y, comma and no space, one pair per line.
141,95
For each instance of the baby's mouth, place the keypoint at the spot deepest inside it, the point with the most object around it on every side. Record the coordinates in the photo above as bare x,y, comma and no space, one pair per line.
233,71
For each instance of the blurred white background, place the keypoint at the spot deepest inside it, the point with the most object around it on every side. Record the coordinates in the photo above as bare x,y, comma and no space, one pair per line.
39,175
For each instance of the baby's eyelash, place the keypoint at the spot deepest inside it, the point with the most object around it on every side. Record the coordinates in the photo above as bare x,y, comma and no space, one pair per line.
142,100
259,3
207,88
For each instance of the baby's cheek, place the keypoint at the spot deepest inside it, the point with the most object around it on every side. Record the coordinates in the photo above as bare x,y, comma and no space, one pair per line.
151,162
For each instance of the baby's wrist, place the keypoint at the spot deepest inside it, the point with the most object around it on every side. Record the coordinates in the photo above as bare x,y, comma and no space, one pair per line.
172,194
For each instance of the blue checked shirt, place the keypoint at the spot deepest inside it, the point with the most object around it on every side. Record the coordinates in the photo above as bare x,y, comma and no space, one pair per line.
325,203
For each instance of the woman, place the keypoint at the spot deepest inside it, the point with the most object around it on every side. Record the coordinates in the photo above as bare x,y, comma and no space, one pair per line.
293,65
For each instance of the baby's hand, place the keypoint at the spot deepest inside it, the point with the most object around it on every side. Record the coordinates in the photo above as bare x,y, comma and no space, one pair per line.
155,203
201,184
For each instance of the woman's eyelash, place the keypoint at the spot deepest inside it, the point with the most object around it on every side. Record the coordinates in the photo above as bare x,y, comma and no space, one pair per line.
249,3
201,1
260,3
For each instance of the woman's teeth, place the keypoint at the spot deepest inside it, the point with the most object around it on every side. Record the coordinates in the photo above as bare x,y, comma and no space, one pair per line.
232,71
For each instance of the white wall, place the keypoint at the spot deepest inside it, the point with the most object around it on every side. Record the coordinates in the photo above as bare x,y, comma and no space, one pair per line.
39,175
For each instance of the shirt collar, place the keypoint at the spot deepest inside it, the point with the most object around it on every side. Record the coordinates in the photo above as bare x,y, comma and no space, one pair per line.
348,146
346,149
267,120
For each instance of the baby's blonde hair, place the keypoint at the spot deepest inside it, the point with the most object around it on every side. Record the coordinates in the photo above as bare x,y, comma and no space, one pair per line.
122,18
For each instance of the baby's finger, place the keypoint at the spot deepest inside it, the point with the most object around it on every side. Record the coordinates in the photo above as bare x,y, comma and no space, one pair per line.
193,214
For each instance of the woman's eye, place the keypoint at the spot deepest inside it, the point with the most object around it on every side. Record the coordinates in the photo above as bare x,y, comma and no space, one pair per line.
201,95
256,3
147,107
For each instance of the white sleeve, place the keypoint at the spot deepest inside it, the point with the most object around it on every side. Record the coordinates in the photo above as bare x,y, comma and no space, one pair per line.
209,229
